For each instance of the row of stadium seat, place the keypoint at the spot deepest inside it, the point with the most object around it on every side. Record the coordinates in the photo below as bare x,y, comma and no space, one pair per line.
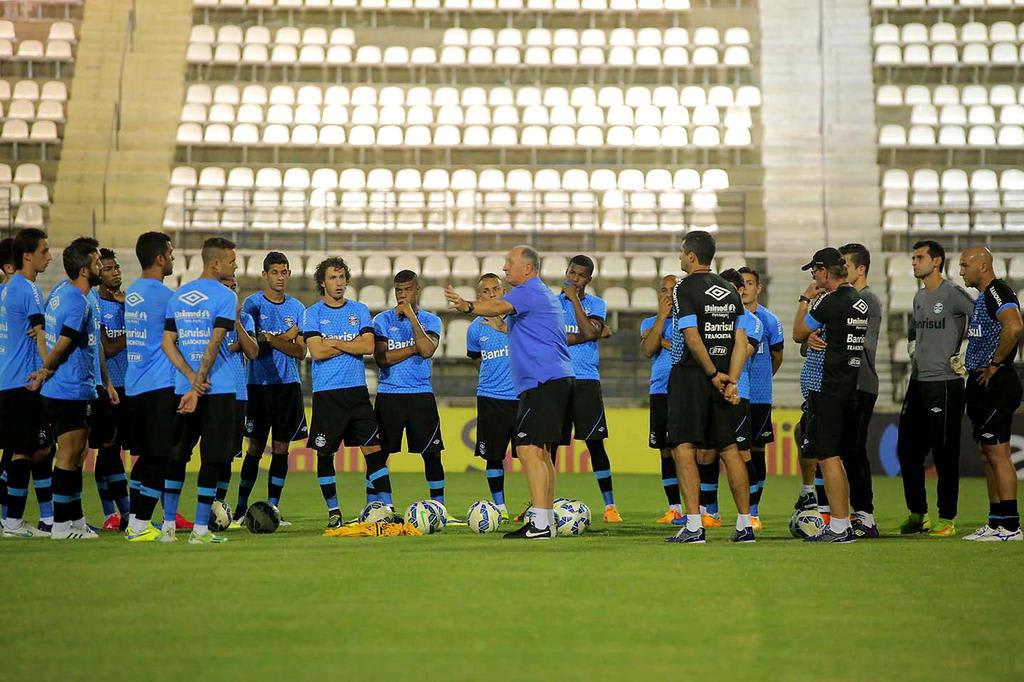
947,54
440,179
59,30
690,96
29,90
900,273
959,114
455,5
26,110
897,221
944,32
25,193
41,132
892,135
24,174
944,4
244,134
452,55
29,215
483,114
924,190
36,51
971,95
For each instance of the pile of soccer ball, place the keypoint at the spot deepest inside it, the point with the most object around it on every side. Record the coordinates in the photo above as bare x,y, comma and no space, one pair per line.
427,516
572,517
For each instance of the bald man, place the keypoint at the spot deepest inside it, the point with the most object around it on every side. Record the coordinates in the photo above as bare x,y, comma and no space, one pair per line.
993,389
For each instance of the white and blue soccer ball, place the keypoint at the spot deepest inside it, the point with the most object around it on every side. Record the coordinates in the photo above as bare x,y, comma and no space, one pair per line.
376,511
424,517
442,511
483,516
572,517
805,523
220,516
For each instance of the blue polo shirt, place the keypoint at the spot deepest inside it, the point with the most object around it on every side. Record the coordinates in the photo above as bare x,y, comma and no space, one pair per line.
411,375
271,366
346,322
538,348
772,339
69,313
661,363
238,359
21,308
193,313
749,323
584,356
491,347
112,324
145,306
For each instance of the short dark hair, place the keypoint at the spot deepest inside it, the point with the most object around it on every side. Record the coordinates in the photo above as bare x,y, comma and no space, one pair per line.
275,258
583,261
747,270
336,262
26,241
149,246
732,277
858,253
404,276
488,275
215,244
107,254
701,244
78,255
935,249
7,252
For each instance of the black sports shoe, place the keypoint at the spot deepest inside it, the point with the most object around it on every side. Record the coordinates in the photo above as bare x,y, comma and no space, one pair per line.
806,502
531,532
334,521
239,514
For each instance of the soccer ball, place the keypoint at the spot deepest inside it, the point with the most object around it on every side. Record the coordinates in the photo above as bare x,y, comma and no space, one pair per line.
483,516
220,516
572,517
442,511
376,511
261,517
806,523
424,517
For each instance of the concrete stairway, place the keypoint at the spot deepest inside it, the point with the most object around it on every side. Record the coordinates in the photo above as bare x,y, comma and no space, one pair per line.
821,178
136,171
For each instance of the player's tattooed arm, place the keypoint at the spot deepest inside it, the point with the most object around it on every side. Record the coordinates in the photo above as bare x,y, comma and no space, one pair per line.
199,383
1009,336
169,345
245,344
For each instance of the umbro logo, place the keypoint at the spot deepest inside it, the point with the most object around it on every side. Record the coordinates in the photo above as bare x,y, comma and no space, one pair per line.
987,435
55,302
325,322
193,298
134,299
483,339
600,429
520,435
716,292
860,306
936,410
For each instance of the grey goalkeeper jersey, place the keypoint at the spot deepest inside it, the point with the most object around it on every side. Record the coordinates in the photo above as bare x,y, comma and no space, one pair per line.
940,317
867,378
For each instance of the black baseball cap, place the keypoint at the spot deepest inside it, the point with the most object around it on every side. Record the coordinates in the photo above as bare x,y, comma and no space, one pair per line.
825,258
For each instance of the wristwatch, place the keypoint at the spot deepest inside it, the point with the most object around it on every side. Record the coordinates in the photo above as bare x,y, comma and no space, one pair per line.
803,299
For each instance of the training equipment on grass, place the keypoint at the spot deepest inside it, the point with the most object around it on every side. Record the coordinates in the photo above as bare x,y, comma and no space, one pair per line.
572,517
424,517
261,517
442,511
220,516
377,511
483,516
806,523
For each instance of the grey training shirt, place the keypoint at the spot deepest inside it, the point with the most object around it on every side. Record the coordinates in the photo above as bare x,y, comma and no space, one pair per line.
940,316
867,380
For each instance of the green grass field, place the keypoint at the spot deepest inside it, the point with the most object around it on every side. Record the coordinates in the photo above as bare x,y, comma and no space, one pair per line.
617,602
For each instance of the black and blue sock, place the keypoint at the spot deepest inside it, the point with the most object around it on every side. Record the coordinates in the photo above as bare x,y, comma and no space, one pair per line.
760,471
278,474
327,478
602,468
819,490
378,478
223,481
42,480
174,481
433,470
63,494
246,482
496,481
709,486
206,484
18,473
670,481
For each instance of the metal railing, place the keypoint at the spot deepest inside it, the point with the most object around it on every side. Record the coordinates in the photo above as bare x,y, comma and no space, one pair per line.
114,134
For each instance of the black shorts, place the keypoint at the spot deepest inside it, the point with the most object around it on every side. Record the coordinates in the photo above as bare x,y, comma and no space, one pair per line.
212,426
991,407
741,415
658,437
67,415
153,420
342,414
110,423
24,428
495,427
930,418
761,426
416,415
277,411
698,414
240,411
588,419
544,413
829,426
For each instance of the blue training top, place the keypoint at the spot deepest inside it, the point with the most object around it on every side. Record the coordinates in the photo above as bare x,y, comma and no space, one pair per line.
538,348
661,364
584,356
411,375
145,307
272,366
345,322
21,308
112,324
491,347
772,339
69,313
194,312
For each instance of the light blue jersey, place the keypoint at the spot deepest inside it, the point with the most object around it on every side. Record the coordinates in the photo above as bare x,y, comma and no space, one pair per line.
238,359
69,313
772,339
411,375
145,307
112,324
346,322
749,323
21,308
491,347
661,364
271,366
584,356
194,312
